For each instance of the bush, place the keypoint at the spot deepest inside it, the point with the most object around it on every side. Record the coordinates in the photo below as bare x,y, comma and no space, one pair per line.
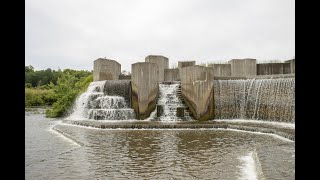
39,97
67,89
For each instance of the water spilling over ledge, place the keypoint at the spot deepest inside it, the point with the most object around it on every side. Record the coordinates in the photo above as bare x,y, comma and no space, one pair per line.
169,101
104,100
261,99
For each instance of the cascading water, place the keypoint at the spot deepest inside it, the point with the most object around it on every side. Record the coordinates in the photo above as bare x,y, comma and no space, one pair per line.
169,100
262,99
102,101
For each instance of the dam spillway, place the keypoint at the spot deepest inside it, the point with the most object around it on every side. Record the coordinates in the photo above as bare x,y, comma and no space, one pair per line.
104,100
170,100
261,99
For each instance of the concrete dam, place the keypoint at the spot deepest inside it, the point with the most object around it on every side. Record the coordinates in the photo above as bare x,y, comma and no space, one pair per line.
192,120
241,89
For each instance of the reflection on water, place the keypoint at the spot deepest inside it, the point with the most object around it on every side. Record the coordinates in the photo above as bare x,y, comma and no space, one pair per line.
141,154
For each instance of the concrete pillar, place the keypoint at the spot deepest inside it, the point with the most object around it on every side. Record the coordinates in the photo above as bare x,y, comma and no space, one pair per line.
161,61
106,69
243,67
197,91
145,89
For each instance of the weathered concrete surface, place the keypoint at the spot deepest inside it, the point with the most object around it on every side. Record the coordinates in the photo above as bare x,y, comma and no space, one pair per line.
145,89
273,68
221,69
182,64
106,69
243,67
171,75
161,61
197,90
292,65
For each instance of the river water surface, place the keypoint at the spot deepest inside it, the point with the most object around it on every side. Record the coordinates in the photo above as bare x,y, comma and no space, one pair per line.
137,154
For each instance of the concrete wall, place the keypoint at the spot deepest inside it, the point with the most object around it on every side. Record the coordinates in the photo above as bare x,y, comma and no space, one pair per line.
273,68
182,64
221,69
197,90
124,77
106,69
161,61
243,67
145,89
292,65
171,75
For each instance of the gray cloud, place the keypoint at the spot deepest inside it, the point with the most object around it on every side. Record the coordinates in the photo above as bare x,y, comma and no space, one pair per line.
73,33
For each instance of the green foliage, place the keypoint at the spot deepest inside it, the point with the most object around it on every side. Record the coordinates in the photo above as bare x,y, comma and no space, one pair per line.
39,97
57,88
69,86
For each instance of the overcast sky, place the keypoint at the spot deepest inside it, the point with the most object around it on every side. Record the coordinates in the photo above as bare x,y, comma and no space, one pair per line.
73,33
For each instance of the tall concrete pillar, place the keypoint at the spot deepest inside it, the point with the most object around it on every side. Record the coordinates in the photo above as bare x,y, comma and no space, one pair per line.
106,69
145,89
197,91
161,61
243,67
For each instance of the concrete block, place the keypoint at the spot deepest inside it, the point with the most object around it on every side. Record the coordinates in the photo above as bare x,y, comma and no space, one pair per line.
145,89
162,63
197,91
182,64
273,68
243,67
292,65
221,69
106,69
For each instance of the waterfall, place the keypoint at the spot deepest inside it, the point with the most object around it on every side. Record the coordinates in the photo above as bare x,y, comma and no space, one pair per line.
262,99
104,100
168,98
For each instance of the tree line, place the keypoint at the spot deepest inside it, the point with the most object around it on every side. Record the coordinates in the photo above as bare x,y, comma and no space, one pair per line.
57,89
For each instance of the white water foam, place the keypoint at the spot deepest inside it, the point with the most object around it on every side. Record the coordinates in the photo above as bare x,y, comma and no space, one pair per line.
94,104
50,129
248,169
273,123
170,102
